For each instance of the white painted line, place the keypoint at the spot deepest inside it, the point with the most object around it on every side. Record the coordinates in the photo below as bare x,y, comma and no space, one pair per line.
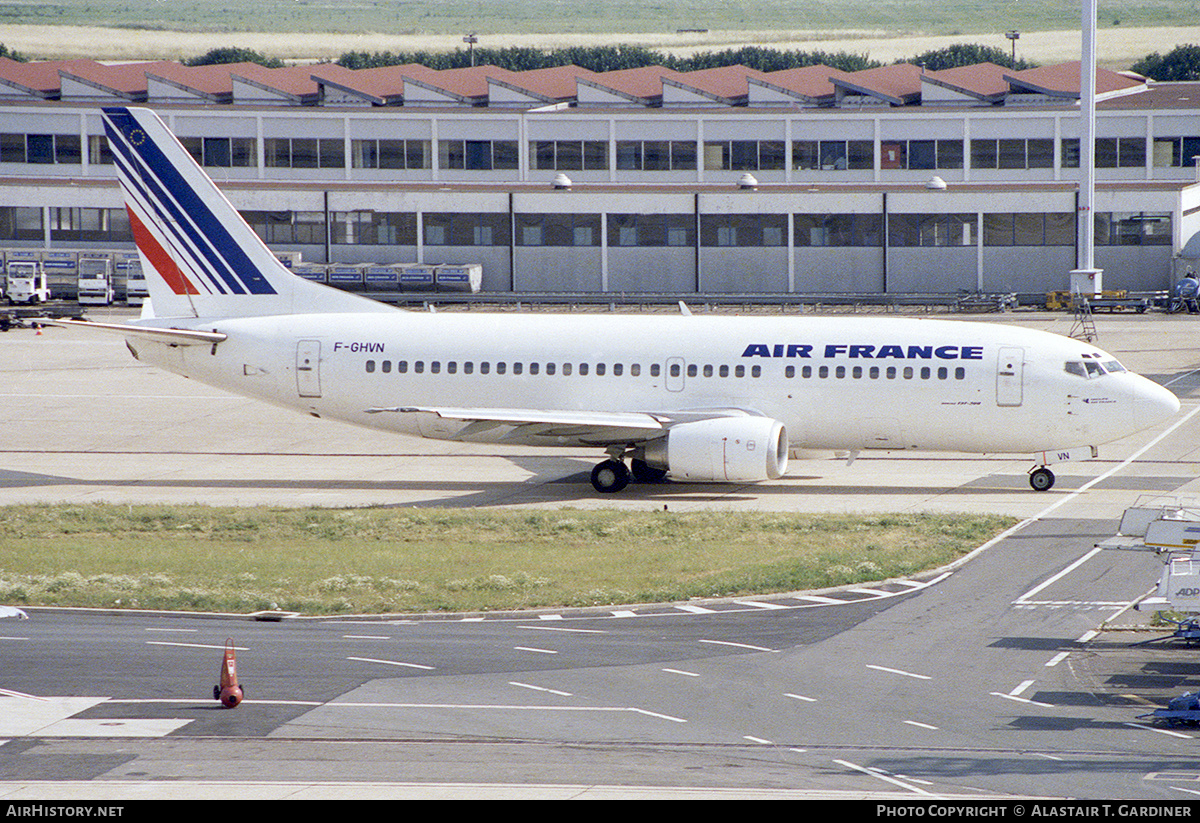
681,671
550,617
1058,576
530,649
13,638
1046,756
1160,731
365,637
187,631
899,671
694,609
1086,636
759,605
624,613
800,697
538,688
1021,699
391,663
563,629
1020,690
191,701
816,598
1058,658
193,645
873,773
656,714
921,725
871,592
756,740
11,693
737,645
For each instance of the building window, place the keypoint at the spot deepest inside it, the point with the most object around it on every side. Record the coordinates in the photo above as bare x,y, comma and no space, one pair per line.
1132,229
745,230
651,230
833,155
303,153
931,230
80,224
282,227
1176,151
837,229
656,155
452,229
921,154
1023,229
1111,152
221,152
21,223
568,155
558,229
373,228
477,155
390,154
744,155
44,149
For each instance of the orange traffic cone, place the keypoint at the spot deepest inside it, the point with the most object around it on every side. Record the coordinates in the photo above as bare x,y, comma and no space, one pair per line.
228,692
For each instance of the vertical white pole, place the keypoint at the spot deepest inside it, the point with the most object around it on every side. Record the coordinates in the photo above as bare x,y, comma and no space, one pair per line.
1087,278
1087,138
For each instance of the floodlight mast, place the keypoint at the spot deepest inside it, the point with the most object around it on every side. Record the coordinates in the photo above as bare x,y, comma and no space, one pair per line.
1087,277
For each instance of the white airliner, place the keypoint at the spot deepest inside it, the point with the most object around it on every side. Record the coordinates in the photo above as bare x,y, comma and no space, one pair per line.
702,399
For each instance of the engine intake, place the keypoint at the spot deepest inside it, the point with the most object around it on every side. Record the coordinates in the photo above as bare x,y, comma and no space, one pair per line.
723,449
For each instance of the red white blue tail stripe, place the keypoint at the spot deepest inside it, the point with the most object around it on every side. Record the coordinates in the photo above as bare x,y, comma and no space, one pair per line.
182,224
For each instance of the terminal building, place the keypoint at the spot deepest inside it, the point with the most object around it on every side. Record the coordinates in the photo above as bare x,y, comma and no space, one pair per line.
721,181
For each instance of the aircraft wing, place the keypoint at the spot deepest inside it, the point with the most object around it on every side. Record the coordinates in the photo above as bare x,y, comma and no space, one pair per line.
174,337
591,427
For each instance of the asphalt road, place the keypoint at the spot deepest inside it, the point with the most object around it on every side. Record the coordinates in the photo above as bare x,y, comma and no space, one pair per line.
1014,674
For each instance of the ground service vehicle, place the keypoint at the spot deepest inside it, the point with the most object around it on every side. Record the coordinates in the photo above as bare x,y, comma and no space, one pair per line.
25,282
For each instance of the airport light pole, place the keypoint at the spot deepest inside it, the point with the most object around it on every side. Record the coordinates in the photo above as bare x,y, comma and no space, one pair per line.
1087,278
1014,36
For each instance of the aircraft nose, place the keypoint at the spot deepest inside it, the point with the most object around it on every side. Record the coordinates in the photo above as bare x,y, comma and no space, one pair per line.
1152,403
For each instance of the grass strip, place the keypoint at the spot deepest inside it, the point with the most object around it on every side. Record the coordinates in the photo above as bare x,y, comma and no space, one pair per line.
389,560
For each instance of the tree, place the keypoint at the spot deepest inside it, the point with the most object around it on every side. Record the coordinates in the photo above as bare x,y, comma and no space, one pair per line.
11,54
966,54
232,54
1181,63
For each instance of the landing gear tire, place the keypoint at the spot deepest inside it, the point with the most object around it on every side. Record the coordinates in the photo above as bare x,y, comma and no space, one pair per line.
610,476
643,472
1041,480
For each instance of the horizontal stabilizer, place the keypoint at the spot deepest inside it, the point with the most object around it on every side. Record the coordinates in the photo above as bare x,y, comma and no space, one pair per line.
173,337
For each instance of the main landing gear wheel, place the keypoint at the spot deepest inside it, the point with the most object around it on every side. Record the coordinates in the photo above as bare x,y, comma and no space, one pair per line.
610,476
1041,479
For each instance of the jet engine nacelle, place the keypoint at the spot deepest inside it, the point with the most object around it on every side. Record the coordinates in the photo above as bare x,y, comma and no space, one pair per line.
740,449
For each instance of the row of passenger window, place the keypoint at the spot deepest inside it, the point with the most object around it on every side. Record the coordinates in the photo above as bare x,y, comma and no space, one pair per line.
655,370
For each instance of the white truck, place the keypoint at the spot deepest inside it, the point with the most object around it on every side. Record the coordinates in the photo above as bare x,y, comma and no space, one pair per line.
95,281
136,290
25,282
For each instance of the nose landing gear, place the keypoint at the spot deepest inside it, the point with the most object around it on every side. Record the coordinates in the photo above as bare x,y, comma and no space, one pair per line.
1041,479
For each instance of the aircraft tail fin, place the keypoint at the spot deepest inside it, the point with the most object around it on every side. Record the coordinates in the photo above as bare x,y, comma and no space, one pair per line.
201,258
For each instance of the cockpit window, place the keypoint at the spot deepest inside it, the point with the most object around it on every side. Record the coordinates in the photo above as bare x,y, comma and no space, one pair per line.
1113,367
1087,369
